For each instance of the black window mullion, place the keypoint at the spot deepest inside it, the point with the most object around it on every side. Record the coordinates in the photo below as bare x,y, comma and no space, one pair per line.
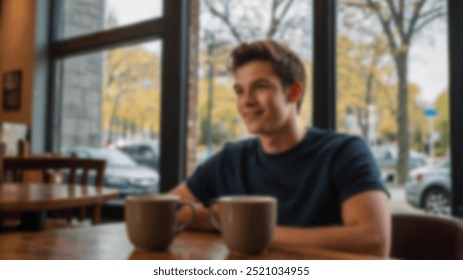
324,64
174,93
455,17
143,31
52,113
56,19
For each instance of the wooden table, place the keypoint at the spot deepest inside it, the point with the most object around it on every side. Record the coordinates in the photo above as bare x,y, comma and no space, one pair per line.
111,242
34,199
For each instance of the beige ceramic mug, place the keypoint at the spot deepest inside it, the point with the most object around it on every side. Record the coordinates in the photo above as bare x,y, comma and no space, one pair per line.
246,222
151,220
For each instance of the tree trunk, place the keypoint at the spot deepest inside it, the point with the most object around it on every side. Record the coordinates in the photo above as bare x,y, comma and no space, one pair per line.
112,120
402,117
365,121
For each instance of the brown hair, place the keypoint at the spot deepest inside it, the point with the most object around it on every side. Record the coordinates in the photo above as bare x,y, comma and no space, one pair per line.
286,64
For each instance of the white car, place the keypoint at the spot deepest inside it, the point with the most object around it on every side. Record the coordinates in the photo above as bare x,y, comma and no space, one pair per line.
145,153
387,158
428,188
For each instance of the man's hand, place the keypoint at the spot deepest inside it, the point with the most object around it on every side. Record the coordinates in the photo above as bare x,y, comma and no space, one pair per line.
202,219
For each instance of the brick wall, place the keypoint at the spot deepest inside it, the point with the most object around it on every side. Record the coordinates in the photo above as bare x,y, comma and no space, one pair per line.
82,77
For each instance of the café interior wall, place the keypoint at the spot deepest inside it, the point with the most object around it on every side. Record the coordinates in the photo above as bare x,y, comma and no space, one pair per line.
17,27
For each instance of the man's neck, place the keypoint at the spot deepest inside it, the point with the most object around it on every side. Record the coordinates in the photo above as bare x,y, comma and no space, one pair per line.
282,140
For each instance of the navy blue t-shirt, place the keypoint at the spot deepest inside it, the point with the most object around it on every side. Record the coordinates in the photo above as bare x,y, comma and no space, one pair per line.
310,181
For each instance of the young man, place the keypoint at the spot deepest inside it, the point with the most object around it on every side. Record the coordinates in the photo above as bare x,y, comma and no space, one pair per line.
327,185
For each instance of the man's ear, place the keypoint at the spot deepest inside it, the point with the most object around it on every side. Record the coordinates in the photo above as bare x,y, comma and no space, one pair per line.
295,92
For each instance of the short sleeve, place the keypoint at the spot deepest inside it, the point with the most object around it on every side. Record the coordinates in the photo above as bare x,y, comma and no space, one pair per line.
202,183
354,169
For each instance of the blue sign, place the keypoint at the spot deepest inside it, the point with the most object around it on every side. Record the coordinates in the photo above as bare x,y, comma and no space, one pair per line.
430,112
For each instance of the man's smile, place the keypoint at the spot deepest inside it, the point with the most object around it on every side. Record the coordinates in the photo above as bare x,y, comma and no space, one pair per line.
253,114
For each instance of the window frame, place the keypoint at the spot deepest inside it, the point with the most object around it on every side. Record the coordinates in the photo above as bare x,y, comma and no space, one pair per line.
455,23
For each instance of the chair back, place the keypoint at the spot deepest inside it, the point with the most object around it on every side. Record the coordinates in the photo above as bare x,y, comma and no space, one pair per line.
17,169
14,169
424,237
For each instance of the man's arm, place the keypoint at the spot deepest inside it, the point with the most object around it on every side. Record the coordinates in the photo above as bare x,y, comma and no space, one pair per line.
366,225
366,228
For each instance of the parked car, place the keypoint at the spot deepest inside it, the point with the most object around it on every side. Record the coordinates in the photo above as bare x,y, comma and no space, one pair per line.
428,188
387,158
121,171
144,153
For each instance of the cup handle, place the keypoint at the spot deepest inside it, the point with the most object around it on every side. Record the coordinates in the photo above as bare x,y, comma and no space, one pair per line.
193,216
212,219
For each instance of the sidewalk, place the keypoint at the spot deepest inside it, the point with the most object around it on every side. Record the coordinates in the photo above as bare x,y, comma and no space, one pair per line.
398,201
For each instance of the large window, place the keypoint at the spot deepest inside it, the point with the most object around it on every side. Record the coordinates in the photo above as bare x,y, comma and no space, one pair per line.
110,109
110,98
107,88
392,91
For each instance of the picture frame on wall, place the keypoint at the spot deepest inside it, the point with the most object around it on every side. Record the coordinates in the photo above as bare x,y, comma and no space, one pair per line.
12,84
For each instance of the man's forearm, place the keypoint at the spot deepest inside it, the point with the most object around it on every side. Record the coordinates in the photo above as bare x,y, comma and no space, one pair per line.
356,239
361,239
364,231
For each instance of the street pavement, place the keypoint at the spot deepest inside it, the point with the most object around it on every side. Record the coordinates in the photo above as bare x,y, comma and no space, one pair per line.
398,201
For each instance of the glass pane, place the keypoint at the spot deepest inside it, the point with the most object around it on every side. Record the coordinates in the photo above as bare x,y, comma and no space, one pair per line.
110,109
392,72
82,17
223,25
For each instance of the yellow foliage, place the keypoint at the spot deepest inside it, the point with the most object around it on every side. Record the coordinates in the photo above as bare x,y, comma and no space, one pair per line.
354,65
131,91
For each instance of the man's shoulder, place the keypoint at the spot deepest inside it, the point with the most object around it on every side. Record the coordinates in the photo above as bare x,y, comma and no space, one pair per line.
244,145
231,152
330,137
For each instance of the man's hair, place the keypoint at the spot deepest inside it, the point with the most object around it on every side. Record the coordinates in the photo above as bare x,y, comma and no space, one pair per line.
286,64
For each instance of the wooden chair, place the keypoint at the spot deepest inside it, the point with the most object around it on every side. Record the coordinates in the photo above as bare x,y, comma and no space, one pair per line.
424,237
12,221
73,169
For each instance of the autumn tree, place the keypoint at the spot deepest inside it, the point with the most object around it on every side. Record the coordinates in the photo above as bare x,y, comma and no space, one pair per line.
365,81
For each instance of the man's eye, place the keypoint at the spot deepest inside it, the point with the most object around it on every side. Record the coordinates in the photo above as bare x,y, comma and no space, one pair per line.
261,86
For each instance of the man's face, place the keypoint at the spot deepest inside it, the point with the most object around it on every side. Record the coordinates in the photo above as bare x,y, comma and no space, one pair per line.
262,101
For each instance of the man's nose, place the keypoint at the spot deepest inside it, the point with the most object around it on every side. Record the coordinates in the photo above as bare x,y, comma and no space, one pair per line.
248,98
